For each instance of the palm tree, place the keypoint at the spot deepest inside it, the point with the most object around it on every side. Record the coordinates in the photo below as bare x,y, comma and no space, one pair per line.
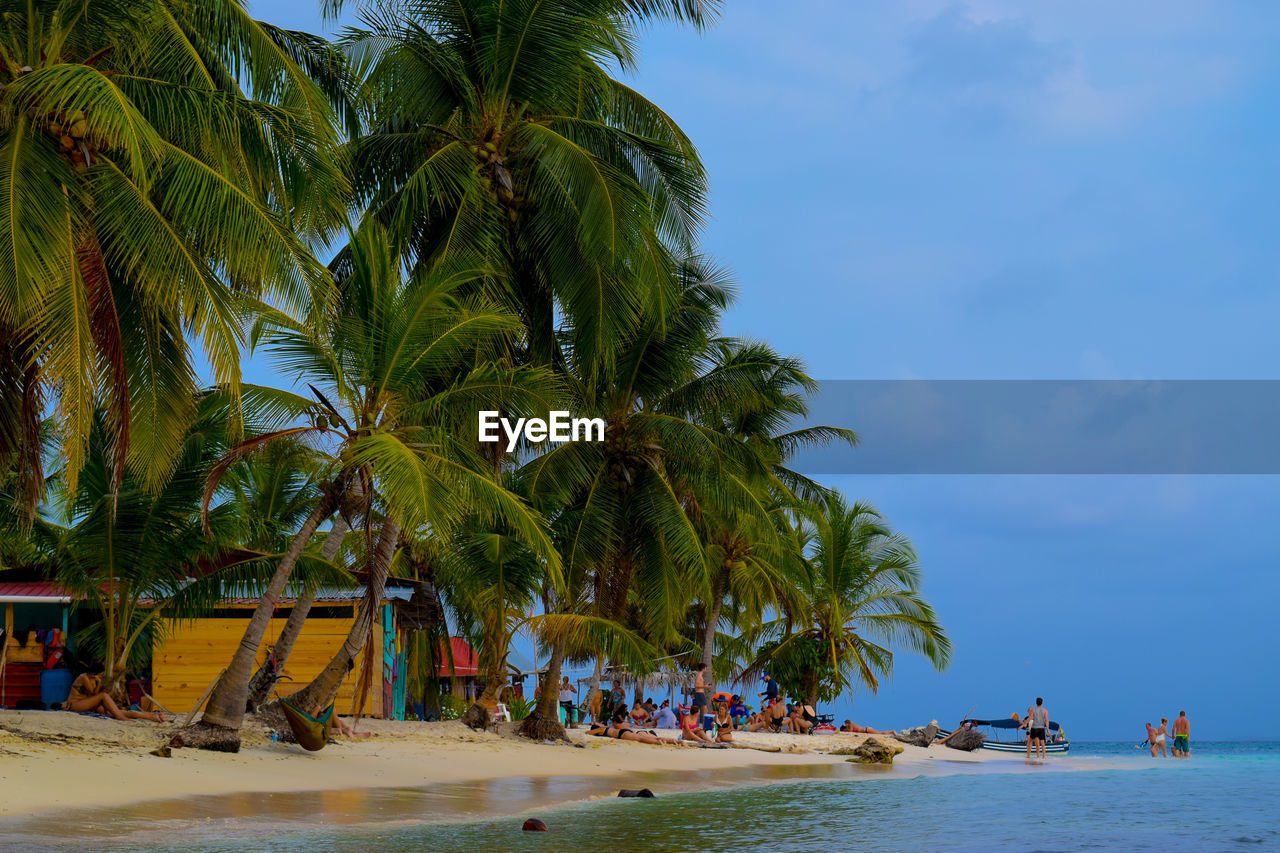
490,580
746,552
497,130
858,598
161,162
273,492
397,379
623,509
138,556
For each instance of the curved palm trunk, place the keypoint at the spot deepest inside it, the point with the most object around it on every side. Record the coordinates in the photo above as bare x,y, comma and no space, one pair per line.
323,689
219,727
480,714
264,679
544,722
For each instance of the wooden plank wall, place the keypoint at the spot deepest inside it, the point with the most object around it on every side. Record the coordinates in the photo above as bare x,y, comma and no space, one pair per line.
195,653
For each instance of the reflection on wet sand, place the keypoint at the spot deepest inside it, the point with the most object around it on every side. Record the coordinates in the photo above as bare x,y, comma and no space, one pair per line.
194,820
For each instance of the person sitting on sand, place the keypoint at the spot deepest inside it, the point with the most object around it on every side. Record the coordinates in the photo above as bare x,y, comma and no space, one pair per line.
771,718
621,730
344,728
665,718
690,728
796,724
640,715
738,711
724,723
87,696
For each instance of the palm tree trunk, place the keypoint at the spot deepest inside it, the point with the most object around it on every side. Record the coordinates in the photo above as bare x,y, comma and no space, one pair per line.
324,687
544,722
714,607
264,679
219,727
596,672
480,714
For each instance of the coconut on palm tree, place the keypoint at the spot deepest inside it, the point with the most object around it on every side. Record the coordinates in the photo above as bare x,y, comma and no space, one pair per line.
497,129
161,164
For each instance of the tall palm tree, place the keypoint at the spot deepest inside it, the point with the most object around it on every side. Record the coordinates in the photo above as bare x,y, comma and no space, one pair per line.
496,129
746,552
161,162
622,509
396,381
858,601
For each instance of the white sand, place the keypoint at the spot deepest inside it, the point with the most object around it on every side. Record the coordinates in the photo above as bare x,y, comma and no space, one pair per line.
53,760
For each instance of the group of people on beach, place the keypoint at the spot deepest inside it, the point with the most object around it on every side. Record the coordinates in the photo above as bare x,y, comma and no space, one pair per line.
1157,738
706,721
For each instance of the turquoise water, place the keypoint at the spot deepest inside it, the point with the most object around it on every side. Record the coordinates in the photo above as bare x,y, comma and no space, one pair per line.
1222,799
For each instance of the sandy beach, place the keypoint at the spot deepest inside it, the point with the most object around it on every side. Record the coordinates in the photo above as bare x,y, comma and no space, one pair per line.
56,761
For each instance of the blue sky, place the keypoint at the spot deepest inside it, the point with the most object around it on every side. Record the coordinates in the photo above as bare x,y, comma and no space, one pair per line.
999,189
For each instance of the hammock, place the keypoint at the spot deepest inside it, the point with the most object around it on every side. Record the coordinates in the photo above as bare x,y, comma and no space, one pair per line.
311,733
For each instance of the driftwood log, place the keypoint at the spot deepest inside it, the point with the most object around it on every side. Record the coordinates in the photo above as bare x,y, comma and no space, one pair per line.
967,741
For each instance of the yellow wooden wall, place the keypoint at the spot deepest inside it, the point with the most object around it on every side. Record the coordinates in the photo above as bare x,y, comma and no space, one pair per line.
194,654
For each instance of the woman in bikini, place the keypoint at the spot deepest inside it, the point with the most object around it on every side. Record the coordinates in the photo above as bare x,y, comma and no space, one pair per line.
690,728
620,729
87,696
1162,735
724,723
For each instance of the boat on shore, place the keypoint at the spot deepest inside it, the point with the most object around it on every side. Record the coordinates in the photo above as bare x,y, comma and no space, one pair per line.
1057,743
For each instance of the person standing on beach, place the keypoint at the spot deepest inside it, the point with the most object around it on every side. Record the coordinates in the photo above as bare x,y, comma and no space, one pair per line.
1182,736
566,701
770,691
1037,728
612,701
700,686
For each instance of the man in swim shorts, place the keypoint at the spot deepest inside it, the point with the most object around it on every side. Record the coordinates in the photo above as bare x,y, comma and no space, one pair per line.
1182,736
1037,724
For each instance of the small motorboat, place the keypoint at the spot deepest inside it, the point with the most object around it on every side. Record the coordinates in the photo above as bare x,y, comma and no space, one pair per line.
1056,744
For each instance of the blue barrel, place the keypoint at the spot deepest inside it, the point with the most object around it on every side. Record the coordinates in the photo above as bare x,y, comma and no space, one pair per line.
55,686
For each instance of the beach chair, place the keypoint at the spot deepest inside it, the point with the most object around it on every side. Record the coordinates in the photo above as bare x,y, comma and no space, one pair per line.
311,733
502,713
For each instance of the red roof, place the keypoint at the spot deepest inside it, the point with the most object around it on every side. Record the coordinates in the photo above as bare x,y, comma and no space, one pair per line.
464,660
33,589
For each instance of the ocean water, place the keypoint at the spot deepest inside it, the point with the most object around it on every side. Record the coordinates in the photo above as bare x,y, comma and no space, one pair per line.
1224,798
